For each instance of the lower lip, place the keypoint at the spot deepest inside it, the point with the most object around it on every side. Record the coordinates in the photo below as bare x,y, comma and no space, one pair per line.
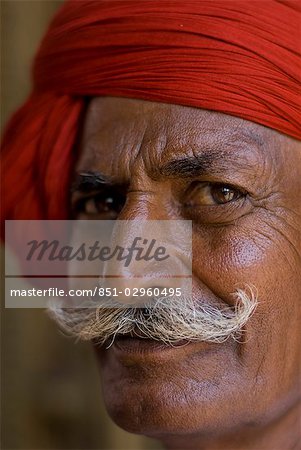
145,346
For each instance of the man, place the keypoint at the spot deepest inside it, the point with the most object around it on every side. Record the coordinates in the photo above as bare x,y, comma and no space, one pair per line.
195,114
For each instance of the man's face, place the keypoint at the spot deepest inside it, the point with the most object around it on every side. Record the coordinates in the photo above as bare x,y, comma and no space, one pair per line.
240,184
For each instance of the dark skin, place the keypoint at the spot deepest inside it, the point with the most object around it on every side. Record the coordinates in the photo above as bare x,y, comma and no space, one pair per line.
240,184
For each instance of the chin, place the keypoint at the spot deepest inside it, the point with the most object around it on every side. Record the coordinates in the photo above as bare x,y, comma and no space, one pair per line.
174,391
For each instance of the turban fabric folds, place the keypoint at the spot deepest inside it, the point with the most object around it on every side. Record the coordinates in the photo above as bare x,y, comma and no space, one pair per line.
238,57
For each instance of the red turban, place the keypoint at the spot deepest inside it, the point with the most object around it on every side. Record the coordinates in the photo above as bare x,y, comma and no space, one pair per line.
239,57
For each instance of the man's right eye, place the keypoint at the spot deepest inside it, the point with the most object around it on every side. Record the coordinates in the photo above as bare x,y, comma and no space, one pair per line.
105,205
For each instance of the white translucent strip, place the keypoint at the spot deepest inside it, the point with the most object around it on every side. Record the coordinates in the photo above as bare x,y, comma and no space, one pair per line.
77,293
136,248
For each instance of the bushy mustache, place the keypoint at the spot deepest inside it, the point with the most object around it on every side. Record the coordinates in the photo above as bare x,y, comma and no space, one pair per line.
168,320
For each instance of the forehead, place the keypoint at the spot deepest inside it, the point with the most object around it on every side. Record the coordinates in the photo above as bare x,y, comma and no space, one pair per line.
120,131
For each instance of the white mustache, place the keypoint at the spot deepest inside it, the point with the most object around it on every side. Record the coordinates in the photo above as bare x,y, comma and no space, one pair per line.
169,319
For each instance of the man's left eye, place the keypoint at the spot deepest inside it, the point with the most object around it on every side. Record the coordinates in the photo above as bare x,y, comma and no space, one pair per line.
212,194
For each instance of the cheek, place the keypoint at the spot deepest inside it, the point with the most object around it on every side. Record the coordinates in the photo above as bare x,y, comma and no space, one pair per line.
232,260
229,260
224,260
273,334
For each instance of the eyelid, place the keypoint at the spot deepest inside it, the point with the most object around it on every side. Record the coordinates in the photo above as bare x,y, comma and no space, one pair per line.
228,185
78,195
220,206
238,184
199,184
79,205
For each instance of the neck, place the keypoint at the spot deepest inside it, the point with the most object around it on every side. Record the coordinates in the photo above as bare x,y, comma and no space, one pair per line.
283,434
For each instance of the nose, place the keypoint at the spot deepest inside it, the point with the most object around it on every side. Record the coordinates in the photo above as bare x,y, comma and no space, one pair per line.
150,258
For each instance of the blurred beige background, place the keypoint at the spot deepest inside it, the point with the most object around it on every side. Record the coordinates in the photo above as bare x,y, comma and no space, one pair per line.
50,388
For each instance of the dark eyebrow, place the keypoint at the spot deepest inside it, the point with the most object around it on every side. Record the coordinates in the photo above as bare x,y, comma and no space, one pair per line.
217,157
191,166
89,181
188,166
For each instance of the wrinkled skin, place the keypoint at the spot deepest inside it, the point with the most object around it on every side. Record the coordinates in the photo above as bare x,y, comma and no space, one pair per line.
208,396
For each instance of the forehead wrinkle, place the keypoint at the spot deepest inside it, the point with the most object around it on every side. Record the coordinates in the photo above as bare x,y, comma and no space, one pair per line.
216,156
182,132
215,150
